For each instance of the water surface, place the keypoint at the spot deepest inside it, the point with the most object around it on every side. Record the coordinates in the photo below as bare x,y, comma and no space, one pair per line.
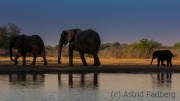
90,87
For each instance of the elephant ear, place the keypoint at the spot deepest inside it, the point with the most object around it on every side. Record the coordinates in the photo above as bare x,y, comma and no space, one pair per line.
70,35
18,42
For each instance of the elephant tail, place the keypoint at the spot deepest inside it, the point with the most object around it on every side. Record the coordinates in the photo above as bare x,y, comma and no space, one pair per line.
172,55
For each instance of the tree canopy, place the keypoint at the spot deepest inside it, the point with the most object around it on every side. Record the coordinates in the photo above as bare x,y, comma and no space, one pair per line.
6,32
147,46
176,45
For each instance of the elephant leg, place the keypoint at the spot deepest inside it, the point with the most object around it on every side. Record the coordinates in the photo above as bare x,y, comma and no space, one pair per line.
96,60
16,58
24,58
158,62
44,57
170,61
83,59
24,61
34,59
171,64
70,56
167,62
45,61
162,62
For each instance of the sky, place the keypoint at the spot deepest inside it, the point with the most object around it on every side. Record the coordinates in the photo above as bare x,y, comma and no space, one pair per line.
124,21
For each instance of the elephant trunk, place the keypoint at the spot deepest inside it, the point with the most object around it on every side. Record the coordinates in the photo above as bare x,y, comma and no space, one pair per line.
59,52
10,52
151,61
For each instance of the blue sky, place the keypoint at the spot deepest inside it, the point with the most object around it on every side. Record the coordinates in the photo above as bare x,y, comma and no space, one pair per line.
124,21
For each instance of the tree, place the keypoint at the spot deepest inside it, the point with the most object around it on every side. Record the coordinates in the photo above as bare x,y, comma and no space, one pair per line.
176,45
115,44
133,50
147,46
6,32
104,46
3,36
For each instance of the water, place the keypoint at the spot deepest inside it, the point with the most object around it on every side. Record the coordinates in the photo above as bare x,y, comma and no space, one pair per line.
90,87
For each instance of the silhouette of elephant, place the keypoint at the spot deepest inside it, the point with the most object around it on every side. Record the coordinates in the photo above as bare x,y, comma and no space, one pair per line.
163,55
87,41
32,44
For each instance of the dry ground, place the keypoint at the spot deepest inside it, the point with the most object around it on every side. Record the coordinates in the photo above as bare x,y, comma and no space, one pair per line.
107,65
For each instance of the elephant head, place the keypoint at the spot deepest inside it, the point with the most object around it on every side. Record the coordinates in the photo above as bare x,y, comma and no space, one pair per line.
155,55
15,42
67,36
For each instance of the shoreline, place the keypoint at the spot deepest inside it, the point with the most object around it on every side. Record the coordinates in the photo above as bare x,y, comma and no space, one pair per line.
6,69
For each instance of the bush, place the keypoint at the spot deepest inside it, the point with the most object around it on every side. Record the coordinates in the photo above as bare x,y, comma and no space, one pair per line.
176,45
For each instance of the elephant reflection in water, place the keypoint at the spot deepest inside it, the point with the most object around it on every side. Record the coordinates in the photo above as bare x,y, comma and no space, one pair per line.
95,79
162,79
84,81
26,78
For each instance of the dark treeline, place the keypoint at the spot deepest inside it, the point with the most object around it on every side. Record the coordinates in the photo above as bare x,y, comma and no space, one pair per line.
142,49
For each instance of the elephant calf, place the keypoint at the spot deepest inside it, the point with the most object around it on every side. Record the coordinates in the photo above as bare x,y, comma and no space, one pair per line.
32,44
163,55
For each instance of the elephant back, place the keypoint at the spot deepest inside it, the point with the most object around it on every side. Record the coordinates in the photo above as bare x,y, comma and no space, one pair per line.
39,40
88,39
89,34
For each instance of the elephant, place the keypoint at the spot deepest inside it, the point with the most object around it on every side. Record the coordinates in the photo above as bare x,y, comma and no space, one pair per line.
84,41
32,44
163,55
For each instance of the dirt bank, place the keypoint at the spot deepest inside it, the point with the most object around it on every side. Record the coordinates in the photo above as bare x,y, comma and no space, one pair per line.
52,68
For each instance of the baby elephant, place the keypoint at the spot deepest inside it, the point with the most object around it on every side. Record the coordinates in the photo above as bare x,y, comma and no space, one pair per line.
163,55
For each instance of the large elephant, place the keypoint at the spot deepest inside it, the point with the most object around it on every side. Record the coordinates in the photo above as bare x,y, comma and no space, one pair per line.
163,55
32,44
87,41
